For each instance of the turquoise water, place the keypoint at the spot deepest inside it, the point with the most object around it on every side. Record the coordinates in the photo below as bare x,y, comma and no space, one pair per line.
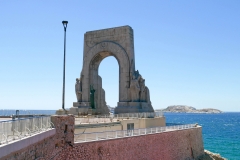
221,132
8,112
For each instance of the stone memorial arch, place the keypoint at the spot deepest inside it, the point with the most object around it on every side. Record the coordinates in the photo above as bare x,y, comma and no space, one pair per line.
133,94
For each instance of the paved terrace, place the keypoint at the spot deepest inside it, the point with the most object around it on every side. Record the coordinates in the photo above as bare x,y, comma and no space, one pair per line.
98,136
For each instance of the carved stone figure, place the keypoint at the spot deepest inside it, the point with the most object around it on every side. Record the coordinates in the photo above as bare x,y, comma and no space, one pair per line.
134,87
92,90
143,97
78,89
100,103
147,95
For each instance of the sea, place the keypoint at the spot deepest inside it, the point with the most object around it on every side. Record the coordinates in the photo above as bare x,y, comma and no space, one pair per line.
221,132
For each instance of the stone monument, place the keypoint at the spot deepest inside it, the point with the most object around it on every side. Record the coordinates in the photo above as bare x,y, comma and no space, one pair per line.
133,94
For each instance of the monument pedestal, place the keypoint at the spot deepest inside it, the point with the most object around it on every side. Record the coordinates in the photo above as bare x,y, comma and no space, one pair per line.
81,104
82,108
79,111
133,107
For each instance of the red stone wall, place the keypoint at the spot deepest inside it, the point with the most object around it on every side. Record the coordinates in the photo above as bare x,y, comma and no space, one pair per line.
175,145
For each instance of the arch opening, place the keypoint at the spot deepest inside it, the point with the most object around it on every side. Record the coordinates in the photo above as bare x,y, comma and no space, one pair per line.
109,72
98,100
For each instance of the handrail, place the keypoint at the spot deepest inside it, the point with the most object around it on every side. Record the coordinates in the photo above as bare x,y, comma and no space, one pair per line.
97,136
24,118
4,137
23,127
133,115
115,117
23,112
51,125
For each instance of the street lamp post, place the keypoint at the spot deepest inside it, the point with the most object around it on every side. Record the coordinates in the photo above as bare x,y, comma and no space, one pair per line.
63,94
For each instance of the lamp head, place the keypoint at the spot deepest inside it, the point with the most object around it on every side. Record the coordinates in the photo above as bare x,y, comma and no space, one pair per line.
65,24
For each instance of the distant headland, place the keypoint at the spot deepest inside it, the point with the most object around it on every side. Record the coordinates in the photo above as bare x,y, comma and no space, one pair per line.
189,109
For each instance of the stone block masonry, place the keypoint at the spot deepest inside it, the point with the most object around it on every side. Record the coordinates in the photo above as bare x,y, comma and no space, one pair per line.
134,95
172,145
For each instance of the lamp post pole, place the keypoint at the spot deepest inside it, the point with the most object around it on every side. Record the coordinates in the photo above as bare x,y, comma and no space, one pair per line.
63,94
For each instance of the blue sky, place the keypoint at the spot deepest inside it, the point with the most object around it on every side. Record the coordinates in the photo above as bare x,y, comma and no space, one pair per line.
187,51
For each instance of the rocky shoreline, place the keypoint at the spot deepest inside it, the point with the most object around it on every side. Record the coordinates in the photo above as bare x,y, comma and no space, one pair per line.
189,109
211,156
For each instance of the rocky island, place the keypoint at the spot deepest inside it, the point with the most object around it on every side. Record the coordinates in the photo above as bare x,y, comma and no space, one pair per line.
189,109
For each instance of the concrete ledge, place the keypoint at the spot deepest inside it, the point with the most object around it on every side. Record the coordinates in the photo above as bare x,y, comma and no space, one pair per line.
14,146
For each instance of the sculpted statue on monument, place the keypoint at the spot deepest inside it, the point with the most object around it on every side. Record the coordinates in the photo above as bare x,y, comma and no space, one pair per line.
143,97
92,90
134,87
78,89
138,91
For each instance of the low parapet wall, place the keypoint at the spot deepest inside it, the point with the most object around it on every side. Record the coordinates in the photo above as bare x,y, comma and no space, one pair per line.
12,147
172,145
